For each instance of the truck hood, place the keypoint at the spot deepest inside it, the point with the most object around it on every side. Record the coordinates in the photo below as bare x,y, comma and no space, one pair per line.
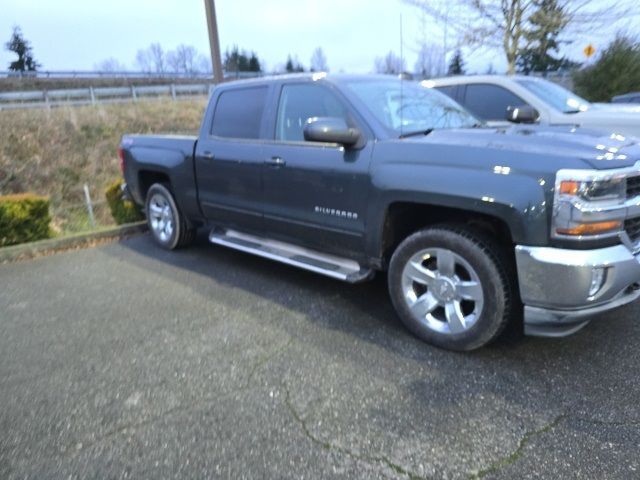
592,146
615,107
622,119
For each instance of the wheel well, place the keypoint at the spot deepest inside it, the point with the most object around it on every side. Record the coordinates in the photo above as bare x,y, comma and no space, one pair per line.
404,218
146,178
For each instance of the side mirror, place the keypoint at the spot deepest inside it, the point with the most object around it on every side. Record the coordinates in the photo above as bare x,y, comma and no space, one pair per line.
522,114
330,130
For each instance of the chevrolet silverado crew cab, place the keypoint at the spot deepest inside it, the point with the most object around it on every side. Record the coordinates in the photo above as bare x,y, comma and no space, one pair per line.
345,176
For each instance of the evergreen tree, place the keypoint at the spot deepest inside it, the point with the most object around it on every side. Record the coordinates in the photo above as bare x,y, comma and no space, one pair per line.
289,65
293,66
547,23
456,67
21,47
238,60
254,63
617,71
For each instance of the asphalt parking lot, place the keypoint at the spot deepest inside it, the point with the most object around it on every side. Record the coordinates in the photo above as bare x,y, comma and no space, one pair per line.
125,361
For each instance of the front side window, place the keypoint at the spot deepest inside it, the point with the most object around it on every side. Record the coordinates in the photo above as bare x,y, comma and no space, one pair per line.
490,102
238,113
404,106
300,102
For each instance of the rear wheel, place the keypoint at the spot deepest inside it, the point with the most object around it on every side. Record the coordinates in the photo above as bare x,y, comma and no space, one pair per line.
450,286
167,224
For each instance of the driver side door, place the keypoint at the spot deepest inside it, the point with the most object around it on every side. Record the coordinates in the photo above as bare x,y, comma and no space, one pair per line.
315,194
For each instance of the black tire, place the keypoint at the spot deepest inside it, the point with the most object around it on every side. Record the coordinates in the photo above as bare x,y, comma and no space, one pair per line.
492,267
181,235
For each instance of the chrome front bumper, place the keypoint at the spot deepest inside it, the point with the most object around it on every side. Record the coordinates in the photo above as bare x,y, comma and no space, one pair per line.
561,289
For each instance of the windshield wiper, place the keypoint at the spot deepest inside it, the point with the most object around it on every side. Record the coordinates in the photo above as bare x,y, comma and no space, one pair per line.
417,133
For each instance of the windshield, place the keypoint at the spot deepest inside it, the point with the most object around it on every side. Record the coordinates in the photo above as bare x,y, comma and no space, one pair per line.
416,108
559,98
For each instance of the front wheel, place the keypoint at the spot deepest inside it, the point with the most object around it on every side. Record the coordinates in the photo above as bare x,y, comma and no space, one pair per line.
450,286
168,226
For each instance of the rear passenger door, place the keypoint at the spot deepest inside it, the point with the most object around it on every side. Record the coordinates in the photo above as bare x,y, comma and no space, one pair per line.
229,158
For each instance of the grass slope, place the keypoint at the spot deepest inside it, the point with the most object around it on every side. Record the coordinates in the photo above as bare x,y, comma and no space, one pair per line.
54,152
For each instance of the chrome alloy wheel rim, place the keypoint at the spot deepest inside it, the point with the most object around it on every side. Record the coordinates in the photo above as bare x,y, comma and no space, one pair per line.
442,290
161,216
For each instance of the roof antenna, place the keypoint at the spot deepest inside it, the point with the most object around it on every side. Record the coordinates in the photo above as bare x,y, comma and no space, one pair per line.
401,80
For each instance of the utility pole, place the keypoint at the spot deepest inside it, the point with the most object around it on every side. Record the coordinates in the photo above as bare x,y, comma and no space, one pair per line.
214,41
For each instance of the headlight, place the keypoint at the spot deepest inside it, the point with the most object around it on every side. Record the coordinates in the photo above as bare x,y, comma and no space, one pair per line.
595,190
588,204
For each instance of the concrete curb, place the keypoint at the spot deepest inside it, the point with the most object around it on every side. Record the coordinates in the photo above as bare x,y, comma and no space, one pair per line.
30,250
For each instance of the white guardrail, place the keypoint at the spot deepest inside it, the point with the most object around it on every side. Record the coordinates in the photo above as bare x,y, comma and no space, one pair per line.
94,95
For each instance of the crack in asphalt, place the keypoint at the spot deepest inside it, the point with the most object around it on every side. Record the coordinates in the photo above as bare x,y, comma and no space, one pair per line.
497,465
517,453
260,363
266,358
382,459
608,423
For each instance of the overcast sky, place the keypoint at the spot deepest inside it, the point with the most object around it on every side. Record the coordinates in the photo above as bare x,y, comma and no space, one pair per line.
78,34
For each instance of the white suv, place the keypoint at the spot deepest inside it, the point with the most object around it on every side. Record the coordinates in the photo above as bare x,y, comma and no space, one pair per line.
498,99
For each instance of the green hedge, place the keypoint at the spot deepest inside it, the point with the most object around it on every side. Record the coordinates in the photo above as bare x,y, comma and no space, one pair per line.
23,218
123,211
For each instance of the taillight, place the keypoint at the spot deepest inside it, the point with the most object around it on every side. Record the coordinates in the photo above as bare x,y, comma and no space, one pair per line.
121,157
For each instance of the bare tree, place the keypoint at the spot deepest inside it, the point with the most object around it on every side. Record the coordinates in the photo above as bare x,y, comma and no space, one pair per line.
430,61
390,64
505,23
143,62
183,60
152,59
110,65
319,61
204,64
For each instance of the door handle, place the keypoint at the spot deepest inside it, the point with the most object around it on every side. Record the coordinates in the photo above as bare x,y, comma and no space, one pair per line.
208,155
275,162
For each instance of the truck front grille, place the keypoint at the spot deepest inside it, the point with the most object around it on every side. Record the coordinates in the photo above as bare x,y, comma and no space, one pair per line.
633,186
632,227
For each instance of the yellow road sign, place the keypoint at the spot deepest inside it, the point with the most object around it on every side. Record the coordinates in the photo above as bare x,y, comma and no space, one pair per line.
589,50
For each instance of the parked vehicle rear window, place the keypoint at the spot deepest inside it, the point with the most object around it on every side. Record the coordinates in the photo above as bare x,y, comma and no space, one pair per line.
238,113
490,102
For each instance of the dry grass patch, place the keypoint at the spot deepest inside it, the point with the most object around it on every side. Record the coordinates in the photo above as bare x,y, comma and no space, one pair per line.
54,152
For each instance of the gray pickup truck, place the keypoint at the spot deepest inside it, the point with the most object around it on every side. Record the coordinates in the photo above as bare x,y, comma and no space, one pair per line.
345,176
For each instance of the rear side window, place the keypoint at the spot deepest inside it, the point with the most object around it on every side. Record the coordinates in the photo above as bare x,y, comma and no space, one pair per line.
238,113
490,102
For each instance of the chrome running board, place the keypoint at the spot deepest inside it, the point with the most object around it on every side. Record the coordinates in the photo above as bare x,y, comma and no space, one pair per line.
329,265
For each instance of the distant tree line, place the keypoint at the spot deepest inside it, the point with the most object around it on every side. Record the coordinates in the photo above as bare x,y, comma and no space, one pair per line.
184,59
241,61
